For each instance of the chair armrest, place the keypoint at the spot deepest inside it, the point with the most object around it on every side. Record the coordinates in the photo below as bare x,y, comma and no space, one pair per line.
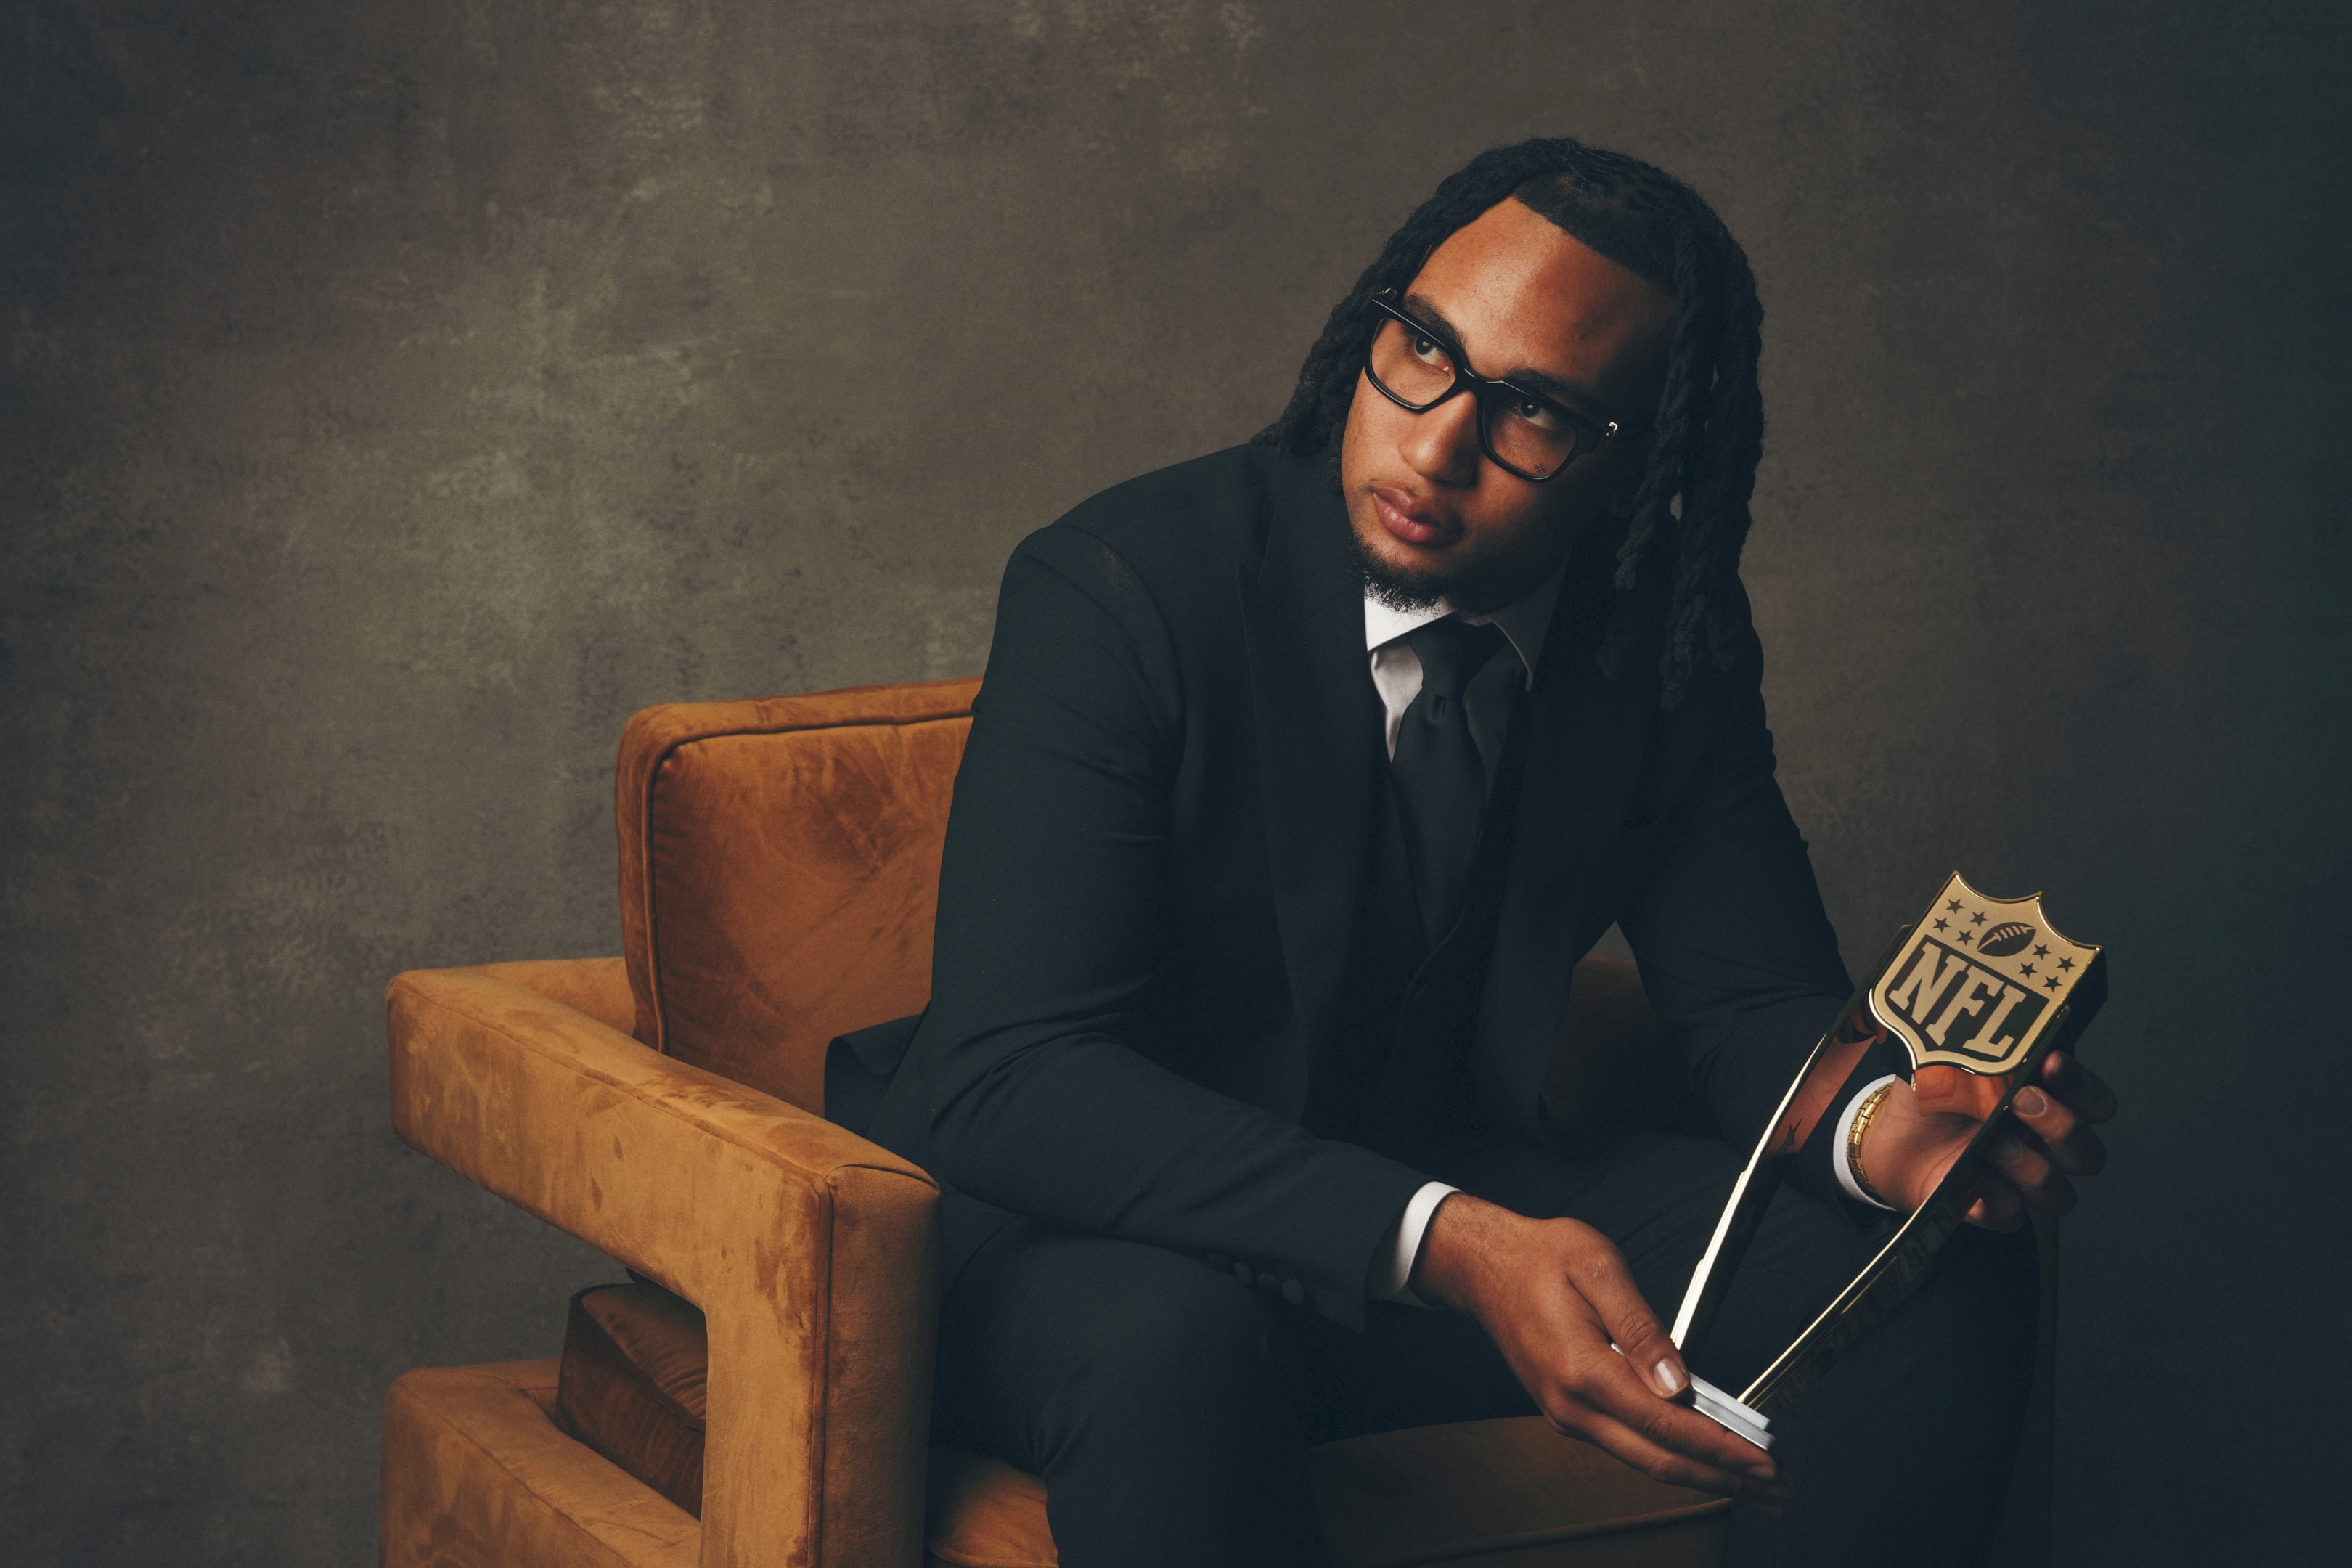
812,1252
598,987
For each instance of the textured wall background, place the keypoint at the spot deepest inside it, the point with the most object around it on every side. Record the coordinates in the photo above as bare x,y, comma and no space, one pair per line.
398,396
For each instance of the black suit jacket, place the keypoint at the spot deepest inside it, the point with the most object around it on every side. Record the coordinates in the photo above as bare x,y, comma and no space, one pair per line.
1153,864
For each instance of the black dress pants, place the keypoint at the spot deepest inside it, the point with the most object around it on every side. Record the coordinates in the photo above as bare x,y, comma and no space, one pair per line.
1165,1401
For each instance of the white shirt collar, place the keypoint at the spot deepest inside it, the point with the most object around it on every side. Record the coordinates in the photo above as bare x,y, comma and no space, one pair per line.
1525,621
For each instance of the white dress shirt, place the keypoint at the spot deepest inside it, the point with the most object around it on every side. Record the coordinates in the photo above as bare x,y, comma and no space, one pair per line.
1396,672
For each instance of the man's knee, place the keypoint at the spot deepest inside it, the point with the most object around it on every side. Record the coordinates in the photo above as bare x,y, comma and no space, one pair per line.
1058,1342
1171,1337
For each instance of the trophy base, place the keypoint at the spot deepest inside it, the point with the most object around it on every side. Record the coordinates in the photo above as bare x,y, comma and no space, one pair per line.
1724,1410
1730,1415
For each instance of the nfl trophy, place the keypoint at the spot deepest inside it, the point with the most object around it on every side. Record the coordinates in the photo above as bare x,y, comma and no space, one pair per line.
1978,987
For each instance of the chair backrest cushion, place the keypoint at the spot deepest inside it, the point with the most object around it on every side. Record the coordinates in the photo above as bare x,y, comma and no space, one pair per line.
780,865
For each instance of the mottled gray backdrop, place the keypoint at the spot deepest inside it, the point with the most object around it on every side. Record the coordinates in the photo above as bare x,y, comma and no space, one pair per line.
396,395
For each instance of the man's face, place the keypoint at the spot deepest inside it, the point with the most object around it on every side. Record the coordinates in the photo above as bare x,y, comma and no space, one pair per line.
1523,300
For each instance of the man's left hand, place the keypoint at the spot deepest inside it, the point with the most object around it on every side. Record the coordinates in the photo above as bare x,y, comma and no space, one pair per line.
1920,1130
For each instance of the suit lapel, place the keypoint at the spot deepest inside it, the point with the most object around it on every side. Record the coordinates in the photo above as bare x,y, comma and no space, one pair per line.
1311,692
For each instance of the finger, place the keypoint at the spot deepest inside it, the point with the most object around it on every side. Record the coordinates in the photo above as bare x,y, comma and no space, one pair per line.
2083,1090
2027,1169
1601,1393
1941,1088
1661,1446
2037,1181
1600,1275
2072,1145
2057,1197
1999,1205
1606,1393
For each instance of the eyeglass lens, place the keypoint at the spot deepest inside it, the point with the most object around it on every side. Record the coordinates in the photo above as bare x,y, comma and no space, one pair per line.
1522,433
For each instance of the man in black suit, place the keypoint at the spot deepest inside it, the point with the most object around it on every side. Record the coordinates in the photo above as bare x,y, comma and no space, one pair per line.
1301,777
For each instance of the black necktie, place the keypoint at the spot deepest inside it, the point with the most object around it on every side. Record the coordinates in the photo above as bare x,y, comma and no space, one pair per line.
1440,784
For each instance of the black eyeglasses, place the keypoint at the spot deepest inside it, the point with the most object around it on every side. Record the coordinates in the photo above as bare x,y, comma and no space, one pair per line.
1522,432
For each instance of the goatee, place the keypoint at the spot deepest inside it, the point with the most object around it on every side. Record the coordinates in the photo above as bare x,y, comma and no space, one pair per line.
1399,589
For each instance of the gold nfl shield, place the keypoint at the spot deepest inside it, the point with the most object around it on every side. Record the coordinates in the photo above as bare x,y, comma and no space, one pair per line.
1979,981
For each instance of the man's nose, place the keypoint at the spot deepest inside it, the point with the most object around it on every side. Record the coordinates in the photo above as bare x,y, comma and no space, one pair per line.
1442,444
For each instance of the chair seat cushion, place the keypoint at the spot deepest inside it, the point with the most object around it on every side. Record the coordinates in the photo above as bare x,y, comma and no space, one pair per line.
476,1471
1510,1492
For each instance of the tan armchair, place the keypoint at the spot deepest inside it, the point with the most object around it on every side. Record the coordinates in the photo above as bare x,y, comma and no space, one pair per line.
778,863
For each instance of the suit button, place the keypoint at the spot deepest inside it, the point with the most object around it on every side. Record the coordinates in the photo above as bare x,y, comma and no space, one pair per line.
1219,1261
1242,1272
1267,1281
1293,1292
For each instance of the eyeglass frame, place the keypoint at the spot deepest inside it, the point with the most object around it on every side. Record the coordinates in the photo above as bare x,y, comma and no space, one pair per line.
1591,433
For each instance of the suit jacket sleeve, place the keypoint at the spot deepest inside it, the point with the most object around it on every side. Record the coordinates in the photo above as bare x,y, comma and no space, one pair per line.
1736,951
1037,1098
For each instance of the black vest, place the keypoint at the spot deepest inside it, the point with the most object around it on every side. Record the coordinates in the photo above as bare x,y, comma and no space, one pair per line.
1393,1074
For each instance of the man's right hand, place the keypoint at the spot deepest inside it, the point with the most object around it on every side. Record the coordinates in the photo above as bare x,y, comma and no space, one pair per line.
1552,1294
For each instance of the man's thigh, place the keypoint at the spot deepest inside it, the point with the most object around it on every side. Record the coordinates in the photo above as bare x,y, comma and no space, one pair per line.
1148,1389
1042,1327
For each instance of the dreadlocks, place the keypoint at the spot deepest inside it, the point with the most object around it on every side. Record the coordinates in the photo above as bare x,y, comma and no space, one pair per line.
1690,510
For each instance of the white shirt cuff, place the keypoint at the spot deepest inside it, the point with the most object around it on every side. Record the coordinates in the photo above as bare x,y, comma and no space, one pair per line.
1838,1161
1393,1272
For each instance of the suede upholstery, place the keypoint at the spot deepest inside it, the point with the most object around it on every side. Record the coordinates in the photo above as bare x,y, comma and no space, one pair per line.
476,1473
778,869
1479,1492
780,865
1511,1492
634,1386
1616,1066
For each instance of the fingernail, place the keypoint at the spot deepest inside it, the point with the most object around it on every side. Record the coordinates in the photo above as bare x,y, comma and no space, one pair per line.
1671,1380
2031,1102
2008,1152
